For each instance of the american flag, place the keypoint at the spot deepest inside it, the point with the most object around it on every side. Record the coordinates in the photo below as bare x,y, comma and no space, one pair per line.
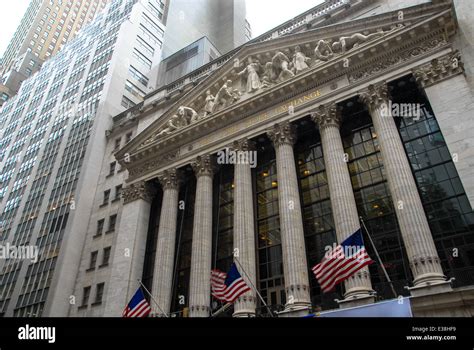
228,287
344,261
138,306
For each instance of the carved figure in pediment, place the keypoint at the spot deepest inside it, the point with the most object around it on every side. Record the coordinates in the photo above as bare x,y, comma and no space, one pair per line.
347,43
225,96
299,60
281,64
187,116
323,51
210,102
251,72
269,75
171,126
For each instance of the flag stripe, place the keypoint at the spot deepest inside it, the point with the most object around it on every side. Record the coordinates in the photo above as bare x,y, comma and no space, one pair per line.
228,287
343,262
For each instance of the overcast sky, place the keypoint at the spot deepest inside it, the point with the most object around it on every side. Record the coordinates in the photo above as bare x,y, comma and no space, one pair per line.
263,15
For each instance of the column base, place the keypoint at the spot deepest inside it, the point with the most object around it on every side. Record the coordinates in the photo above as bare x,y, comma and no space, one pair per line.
243,314
431,288
356,300
244,306
199,311
295,311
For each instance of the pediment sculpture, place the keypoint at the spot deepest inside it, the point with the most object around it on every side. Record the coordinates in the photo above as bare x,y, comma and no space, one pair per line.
252,76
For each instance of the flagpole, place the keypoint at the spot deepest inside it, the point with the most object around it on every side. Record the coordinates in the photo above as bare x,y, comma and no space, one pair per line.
378,258
253,287
221,310
151,297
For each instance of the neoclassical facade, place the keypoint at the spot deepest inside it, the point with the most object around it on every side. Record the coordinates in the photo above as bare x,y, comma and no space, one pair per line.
313,107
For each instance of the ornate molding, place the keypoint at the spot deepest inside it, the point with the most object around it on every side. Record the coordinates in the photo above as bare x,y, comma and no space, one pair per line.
394,60
204,166
282,133
139,190
243,145
375,96
169,179
143,169
327,116
439,69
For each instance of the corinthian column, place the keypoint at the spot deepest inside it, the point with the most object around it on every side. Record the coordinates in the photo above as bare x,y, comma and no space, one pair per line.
343,204
419,244
244,229
130,246
165,245
201,250
291,223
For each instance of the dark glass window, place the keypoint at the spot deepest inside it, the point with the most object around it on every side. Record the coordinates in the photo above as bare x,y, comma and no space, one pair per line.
223,225
316,206
99,293
85,296
446,205
182,272
374,202
270,262
112,223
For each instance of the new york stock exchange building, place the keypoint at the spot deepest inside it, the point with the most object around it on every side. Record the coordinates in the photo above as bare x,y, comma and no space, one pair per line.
278,150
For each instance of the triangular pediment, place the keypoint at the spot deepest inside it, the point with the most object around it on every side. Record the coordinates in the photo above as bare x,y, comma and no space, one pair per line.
262,69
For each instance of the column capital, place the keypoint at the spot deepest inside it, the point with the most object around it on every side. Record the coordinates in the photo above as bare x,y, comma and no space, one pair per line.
169,179
439,69
243,145
282,133
375,95
204,166
327,116
139,190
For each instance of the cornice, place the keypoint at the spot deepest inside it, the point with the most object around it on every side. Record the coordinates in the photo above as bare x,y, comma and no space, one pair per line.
439,69
139,190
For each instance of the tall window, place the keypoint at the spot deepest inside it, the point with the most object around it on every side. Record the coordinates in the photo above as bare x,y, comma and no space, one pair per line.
182,272
85,296
223,224
316,206
373,199
270,260
447,207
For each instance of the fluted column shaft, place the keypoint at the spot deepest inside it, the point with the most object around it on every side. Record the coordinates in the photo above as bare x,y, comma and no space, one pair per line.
419,243
244,230
343,204
165,245
291,223
201,250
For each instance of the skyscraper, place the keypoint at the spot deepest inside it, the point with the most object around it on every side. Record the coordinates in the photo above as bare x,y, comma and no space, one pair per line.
52,144
223,22
46,26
